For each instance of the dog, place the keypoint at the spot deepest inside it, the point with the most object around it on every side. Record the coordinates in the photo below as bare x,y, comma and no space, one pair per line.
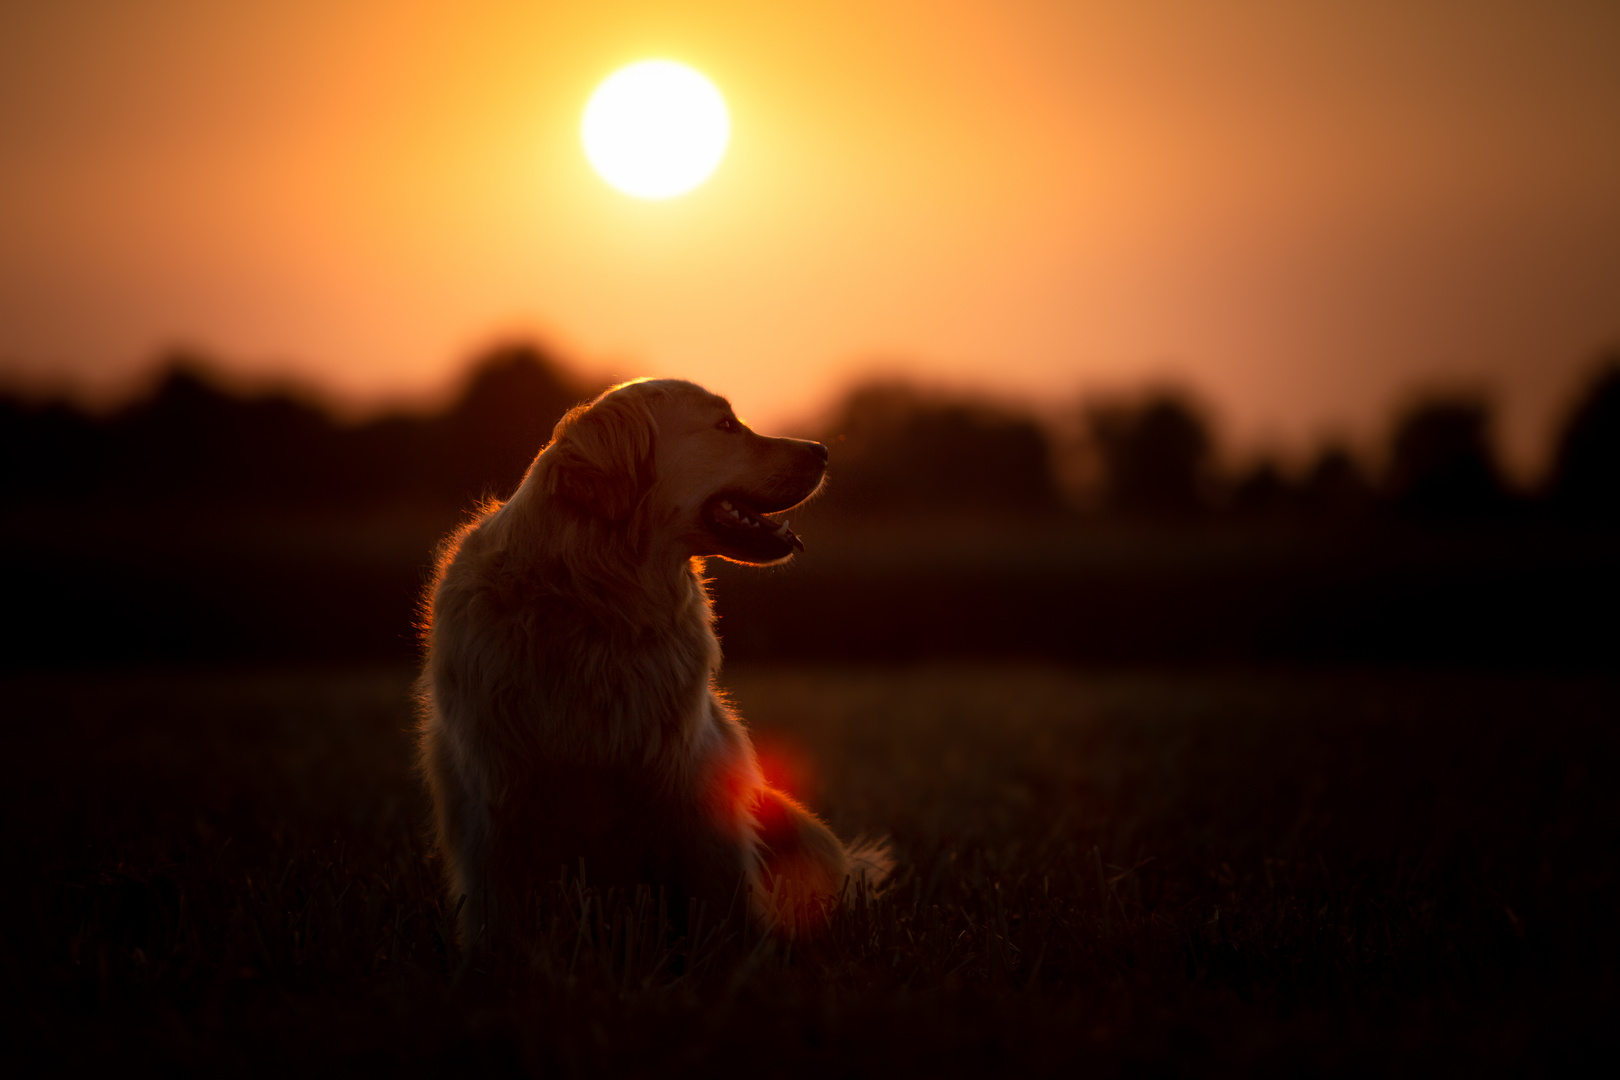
570,716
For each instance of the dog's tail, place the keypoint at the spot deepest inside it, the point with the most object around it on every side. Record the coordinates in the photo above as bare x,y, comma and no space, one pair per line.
869,863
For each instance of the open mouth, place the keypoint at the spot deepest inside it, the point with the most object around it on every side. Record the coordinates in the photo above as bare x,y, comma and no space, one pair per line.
731,518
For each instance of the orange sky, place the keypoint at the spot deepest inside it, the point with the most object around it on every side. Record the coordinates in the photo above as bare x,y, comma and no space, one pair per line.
1305,209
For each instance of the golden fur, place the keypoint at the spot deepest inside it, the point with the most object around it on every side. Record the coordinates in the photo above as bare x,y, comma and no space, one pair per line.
569,712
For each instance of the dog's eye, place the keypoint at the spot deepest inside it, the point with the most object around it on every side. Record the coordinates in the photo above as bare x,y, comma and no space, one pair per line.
727,424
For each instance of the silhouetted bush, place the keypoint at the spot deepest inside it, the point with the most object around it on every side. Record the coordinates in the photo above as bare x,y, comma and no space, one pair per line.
1442,465
896,448
1586,466
1156,455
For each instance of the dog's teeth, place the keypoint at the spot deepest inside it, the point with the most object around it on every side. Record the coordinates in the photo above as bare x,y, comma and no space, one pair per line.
725,504
782,529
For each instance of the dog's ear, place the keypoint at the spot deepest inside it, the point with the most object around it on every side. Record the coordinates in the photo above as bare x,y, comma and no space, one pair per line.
601,456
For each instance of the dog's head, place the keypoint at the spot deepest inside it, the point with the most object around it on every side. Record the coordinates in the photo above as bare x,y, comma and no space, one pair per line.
672,461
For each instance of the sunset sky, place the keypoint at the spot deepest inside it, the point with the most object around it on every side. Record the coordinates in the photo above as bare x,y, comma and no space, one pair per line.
1307,210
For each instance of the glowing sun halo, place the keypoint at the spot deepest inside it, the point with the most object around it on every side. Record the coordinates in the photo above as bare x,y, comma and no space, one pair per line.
656,129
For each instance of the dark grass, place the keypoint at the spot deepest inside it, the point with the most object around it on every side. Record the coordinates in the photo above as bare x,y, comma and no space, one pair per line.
1132,873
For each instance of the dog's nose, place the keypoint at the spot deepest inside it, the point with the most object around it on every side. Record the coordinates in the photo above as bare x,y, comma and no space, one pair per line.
821,450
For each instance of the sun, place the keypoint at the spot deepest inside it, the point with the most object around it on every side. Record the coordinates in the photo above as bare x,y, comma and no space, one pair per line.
656,129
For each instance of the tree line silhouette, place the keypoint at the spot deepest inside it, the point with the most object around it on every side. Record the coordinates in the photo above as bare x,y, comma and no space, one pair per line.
896,450
190,439
198,524
1156,457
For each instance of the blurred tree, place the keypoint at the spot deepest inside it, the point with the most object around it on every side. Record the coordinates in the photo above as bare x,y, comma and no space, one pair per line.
1585,482
1334,487
514,396
894,447
192,439
181,438
1155,454
50,450
1262,491
1442,466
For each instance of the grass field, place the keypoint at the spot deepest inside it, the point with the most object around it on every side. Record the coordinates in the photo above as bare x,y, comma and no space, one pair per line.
1128,873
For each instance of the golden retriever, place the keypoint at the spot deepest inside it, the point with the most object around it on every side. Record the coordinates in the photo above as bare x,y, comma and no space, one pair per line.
569,711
